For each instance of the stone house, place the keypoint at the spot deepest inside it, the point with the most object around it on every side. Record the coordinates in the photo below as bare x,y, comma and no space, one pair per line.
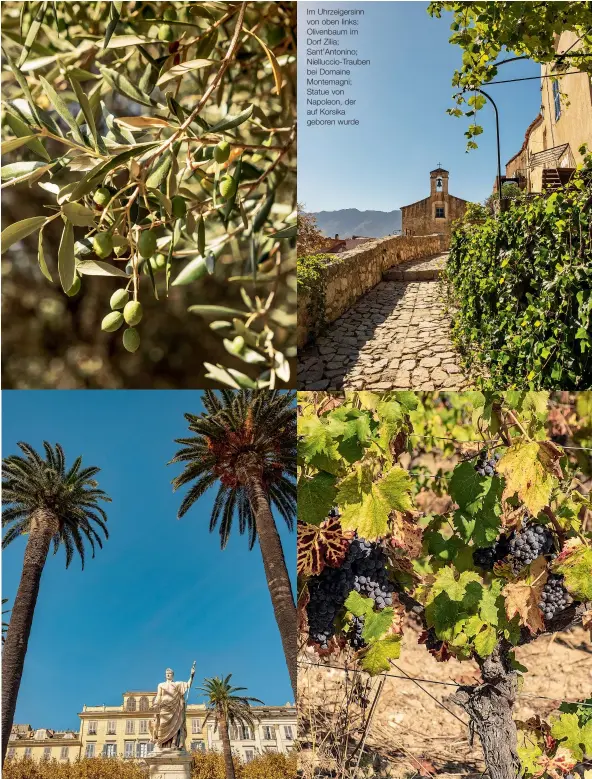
549,152
435,214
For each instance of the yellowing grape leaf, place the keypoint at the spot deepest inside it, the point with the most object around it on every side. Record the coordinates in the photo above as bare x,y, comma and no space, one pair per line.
526,468
485,641
523,597
573,737
366,504
556,766
377,623
377,656
575,563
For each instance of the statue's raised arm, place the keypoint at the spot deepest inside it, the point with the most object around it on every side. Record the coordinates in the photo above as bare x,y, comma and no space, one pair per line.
190,682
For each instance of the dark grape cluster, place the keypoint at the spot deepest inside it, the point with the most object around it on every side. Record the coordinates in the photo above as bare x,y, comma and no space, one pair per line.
531,542
354,634
485,466
366,561
487,556
560,438
363,570
554,597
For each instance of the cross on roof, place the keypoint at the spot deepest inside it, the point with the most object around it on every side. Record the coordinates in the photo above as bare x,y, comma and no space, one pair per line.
439,164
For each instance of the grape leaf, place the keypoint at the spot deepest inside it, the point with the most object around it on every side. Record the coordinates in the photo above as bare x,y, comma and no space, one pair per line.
526,469
316,496
575,563
577,739
467,488
366,505
378,654
485,641
317,439
319,546
523,597
377,623
358,605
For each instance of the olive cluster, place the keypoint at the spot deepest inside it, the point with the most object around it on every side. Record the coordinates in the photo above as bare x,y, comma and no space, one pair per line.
123,310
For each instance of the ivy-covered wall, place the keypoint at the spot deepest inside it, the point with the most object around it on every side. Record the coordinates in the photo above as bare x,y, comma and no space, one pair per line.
329,284
521,284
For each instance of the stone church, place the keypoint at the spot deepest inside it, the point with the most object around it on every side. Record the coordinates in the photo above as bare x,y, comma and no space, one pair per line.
436,213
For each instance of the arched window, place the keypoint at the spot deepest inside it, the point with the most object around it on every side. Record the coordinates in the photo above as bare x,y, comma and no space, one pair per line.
131,704
144,703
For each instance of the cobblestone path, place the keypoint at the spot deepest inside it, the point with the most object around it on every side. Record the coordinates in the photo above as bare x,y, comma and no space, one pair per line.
395,337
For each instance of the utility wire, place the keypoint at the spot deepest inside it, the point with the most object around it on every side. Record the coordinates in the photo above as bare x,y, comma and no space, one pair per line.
436,681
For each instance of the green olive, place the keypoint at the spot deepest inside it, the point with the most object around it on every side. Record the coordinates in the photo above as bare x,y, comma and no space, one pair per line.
147,244
112,322
103,244
102,196
227,187
158,262
131,339
132,313
119,298
179,206
170,15
222,152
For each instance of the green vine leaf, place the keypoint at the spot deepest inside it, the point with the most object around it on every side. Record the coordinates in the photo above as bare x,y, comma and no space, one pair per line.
366,504
316,496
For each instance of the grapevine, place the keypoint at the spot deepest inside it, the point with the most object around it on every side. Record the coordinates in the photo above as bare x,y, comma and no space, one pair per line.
507,559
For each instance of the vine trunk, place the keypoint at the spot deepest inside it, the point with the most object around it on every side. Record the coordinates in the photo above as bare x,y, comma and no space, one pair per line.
489,706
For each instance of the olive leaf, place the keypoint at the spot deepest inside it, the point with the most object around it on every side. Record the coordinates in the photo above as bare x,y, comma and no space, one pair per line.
32,32
41,258
66,259
15,143
78,214
62,109
125,87
193,271
229,122
184,67
99,268
19,230
87,112
114,14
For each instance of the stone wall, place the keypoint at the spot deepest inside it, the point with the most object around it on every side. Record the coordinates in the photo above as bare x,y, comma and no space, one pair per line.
355,272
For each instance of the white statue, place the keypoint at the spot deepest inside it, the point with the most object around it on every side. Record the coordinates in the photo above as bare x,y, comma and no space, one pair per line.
167,729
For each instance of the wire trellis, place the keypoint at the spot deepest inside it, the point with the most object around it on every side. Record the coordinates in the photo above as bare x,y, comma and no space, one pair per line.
435,681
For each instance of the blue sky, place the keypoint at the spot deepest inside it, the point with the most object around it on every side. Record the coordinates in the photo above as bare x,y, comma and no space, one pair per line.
161,592
404,132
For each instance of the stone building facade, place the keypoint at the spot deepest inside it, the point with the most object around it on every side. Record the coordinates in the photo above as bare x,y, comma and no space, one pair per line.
435,214
123,731
551,145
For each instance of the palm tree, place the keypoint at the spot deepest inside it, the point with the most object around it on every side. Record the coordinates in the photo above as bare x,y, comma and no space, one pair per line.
40,497
246,443
227,709
4,624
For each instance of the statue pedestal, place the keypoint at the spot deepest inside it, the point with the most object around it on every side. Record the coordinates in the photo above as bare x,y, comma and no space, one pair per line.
169,764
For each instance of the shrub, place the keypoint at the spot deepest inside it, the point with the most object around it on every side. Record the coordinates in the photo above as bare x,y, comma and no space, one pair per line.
521,287
206,765
311,282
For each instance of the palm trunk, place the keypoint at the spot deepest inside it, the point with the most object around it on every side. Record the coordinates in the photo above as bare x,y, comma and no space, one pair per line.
276,572
43,526
226,750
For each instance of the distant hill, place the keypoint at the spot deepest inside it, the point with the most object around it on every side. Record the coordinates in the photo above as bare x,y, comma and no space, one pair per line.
350,221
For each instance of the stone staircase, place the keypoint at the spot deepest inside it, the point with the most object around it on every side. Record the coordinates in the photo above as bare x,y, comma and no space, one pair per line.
417,270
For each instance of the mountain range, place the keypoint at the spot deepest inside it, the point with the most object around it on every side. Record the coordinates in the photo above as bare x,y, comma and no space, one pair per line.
349,222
